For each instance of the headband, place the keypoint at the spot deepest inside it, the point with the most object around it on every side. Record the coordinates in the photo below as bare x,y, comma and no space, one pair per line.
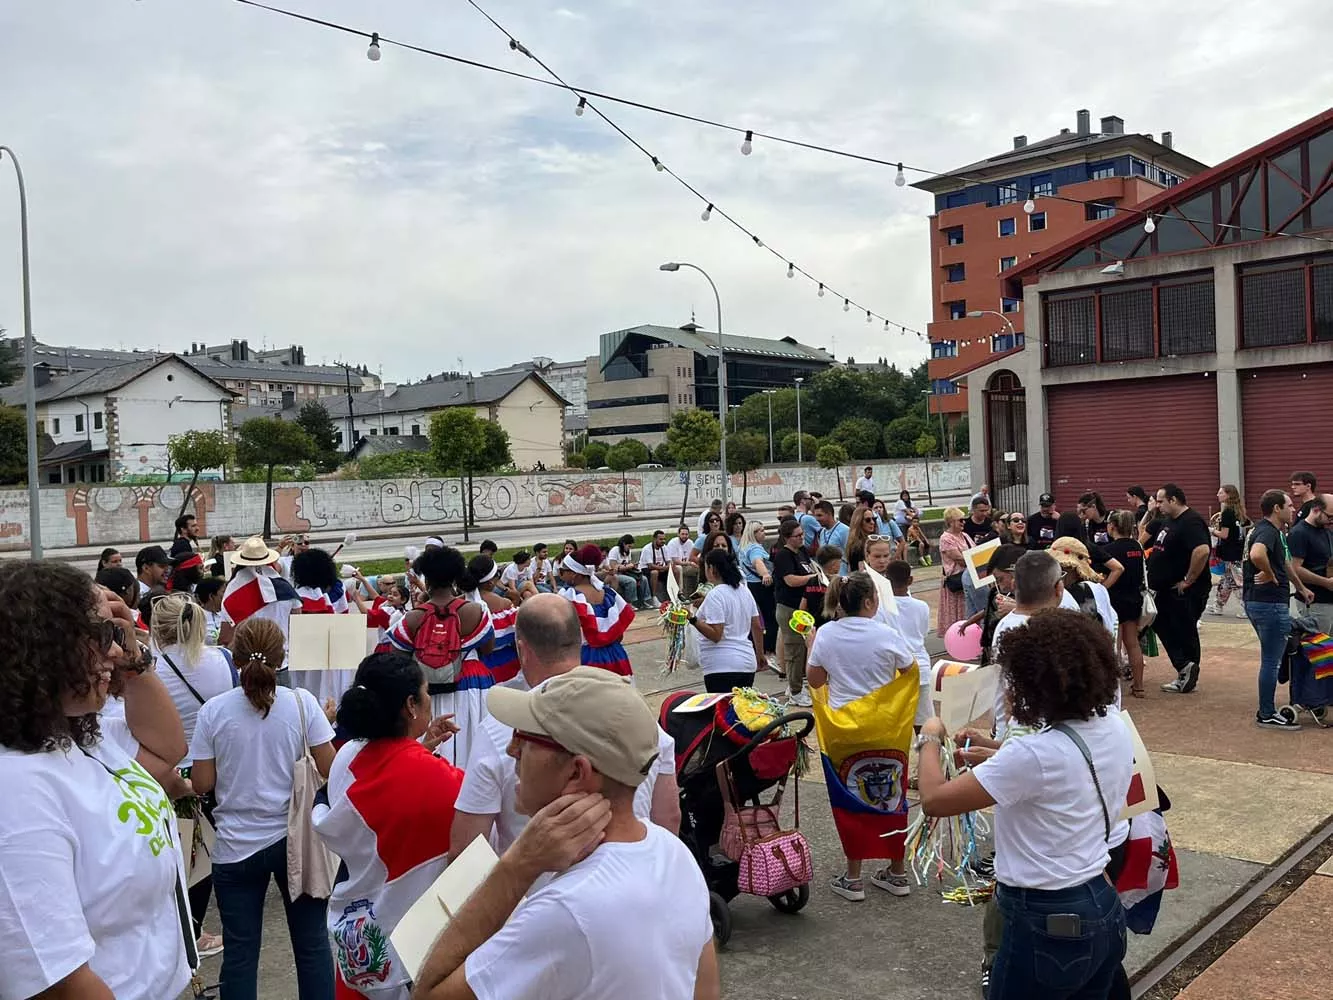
574,566
495,568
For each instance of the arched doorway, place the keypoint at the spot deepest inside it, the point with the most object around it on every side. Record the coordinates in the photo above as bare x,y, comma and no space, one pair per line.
1007,442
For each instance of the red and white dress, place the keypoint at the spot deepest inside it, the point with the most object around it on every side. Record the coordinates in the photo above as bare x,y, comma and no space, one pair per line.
604,625
383,616
323,684
389,810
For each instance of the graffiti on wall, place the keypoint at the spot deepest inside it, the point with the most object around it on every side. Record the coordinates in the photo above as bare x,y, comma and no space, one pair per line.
146,507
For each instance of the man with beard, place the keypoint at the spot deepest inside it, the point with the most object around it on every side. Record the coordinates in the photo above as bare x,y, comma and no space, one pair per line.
1178,573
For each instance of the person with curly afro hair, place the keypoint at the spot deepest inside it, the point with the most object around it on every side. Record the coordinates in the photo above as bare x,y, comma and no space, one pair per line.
90,872
1056,784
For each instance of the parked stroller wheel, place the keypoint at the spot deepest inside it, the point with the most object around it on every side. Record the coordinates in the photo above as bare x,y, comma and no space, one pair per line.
1288,713
721,914
791,901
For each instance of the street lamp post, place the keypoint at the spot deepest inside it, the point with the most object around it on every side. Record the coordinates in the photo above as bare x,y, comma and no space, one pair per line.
769,394
721,367
978,313
929,394
800,457
29,377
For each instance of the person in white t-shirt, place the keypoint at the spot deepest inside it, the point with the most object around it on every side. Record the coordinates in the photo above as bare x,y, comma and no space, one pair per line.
1056,793
245,746
731,649
517,577
92,883
654,564
549,640
913,621
678,552
866,483
627,913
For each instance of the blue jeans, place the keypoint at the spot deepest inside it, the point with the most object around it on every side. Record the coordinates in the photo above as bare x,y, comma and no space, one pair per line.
634,589
240,888
1034,963
1272,623
973,599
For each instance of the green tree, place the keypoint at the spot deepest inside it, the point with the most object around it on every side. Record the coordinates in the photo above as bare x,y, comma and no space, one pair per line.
962,440
860,436
901,434
662,454
753,412
314,419
694,436
640,451
622,457
595,453
397,465
577,460
880,395
746,451
265,443
926,444
832,455
809,445
496,455
13,445
11,360
197,451
461,446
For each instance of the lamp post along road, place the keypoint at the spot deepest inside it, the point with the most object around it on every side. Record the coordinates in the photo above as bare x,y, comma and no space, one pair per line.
800,457
769,394
721,368
29,378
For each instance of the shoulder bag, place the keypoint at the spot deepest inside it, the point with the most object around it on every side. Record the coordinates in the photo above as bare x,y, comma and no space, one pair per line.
1149,613
311,866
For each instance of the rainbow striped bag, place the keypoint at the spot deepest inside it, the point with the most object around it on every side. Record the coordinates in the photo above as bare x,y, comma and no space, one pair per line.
1318,650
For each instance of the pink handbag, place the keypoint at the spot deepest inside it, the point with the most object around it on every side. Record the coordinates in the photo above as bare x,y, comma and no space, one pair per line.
772,860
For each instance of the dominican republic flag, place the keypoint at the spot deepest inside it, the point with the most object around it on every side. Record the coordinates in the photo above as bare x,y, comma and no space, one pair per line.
502,660
392,807
384,617
864,747
604,625
322,602
1149,870
252,589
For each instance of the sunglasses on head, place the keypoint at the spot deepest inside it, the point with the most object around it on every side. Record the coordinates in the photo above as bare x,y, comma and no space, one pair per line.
880,538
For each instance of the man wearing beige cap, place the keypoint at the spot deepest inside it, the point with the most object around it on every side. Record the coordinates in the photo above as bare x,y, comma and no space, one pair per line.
626,914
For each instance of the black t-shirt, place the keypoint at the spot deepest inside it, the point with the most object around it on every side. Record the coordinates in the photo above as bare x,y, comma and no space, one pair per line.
814,601
1228,549
1314,547
1096,533
181,547
1141,513
1099,557
1129,553
979,533
1304,512
1173,548
1041,530
1268,593
788,563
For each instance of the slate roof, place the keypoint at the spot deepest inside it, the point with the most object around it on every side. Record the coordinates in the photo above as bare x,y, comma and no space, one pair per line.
97,382
439,393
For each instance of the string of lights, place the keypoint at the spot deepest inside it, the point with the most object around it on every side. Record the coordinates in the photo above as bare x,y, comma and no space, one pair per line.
901,168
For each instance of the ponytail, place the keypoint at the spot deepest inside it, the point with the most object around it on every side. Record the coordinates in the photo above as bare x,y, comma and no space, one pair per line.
257,650
724,564
178,621
372,708
847,595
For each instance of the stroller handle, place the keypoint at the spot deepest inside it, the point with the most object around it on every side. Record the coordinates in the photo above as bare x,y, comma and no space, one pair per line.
805,718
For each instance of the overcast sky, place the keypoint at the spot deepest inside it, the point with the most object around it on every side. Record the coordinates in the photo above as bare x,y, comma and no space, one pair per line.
200,171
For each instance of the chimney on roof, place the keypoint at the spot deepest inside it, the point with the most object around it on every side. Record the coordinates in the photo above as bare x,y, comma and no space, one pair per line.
41,375
1113,125
1166,140
471,389
389,389
1064,131
1084,122
1020,141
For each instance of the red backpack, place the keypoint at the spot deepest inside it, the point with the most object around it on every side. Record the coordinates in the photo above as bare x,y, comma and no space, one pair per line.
439,641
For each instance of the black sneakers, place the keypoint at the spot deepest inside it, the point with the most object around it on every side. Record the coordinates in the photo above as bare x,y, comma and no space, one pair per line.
1283,723
1187,679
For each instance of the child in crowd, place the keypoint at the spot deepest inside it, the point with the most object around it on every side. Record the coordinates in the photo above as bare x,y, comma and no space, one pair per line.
208,592
516,580
829,559
913,624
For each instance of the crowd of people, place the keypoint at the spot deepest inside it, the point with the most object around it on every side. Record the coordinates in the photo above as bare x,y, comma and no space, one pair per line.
499,703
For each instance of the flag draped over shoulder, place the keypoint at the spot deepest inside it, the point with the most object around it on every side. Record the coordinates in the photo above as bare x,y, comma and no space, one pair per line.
864,746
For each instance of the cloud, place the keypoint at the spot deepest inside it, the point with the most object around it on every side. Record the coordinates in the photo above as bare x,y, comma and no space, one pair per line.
207,171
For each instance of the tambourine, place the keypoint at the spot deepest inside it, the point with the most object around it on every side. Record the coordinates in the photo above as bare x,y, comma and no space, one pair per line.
676,614
802,622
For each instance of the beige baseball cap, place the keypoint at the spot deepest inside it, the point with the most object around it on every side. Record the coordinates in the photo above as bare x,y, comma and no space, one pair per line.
590,712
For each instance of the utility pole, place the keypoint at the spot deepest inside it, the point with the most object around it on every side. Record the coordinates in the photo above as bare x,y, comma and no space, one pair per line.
350,440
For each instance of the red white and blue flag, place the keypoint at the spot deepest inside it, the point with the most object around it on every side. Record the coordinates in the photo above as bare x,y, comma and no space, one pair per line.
604,625
252,589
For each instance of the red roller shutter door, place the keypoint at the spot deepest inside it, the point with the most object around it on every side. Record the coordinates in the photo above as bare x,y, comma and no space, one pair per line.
1106,436
1283,427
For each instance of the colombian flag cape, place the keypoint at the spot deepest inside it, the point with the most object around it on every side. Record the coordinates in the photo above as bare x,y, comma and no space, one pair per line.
864,746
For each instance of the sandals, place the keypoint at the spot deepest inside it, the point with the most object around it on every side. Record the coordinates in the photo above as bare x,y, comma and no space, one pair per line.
1137,692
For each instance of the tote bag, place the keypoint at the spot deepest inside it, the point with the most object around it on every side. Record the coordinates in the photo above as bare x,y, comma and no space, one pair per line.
311,866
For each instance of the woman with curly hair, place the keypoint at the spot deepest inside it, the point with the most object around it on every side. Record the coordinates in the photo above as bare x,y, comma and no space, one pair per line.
92,885
1064,927
245,746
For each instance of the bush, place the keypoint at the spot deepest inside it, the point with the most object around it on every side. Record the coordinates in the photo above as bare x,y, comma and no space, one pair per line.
595,454
859,436
578,460
662,455
809,447
399,465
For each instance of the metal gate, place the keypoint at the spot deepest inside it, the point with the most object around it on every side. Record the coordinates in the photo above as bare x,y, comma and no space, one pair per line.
1007,442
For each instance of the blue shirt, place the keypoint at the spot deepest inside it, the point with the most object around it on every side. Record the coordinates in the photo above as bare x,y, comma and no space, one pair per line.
811,528
836,535
752,552
889,527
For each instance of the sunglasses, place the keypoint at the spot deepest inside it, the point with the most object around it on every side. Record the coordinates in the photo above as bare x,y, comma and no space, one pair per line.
1017,520
109,634
880,538
538,740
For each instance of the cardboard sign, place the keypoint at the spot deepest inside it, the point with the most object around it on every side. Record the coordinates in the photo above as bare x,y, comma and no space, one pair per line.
198,858
887,605
977,558
1142,795
422,924
328,642
962,692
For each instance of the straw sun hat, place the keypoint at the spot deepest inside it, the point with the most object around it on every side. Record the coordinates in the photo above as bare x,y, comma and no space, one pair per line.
1072,554
254,552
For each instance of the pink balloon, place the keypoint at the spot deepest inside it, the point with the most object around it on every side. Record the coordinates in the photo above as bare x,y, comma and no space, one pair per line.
963,644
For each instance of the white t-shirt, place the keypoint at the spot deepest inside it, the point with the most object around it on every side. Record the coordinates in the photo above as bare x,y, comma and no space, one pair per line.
678,551
866,483
900,512
913,622
79,882
255,759
514,577
630,920
731,607
210,676
860,655
1050,832
651,557
620,557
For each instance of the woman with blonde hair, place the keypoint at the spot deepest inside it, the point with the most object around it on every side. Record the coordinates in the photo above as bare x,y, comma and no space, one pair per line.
954,541
1228,530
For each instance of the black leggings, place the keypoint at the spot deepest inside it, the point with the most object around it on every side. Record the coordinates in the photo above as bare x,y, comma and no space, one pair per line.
724,682
764,598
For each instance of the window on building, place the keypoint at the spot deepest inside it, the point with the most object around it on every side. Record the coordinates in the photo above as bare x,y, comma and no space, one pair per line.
416,430
944,349
1001,342
1006,194
1008,305
1071,329
55,425
1007,262
1127,324
1008,227
1185,318
1042,186
1036,222
270,387
392,430
955,199
954,236
97,420
944,387
1100,171
78,423
958,309
1095,210
957,272
1273,308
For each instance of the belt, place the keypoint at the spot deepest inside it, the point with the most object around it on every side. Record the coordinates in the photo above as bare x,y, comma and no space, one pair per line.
443,687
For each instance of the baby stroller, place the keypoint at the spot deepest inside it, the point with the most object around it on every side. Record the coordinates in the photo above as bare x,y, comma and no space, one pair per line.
713,753
1308,668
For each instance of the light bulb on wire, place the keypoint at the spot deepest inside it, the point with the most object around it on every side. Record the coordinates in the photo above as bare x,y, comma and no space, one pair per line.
1029,206
583,103
707,213
846,306
791,271
886,326
747,144
867,315
1149,226
373,53
658,164
821,289
900,179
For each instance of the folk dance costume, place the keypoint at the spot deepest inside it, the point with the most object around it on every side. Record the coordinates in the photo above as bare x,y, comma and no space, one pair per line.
383,616
323,684
502,660
458,688
387,815
603,624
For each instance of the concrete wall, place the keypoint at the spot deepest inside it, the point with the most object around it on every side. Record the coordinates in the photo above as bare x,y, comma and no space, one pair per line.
136,515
